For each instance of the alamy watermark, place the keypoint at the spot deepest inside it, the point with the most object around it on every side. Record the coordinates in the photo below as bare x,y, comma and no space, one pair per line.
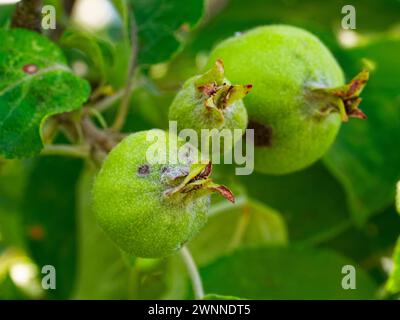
49,278
187,146
349,280
349,20
49,19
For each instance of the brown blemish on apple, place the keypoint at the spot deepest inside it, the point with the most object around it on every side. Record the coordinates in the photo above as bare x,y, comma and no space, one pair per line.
143,170
262,134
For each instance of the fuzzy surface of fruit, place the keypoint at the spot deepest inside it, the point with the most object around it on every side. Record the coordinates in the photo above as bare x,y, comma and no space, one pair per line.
210,101
151,210
299,97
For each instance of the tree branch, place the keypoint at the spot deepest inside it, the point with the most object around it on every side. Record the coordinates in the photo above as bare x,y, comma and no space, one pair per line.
107,102
68,6
97,138
66,150
28,15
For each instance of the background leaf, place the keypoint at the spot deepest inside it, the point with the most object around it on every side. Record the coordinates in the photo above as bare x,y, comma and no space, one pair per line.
311,201
34,84
246,224
284,273
9,291
365,156
5,14
159,25
13,178
369,244
48,219
99,51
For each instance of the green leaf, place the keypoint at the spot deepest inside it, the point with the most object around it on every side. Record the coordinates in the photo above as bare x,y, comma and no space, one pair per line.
393,284
11,232
99,51
49,220
13,177
167,280
35,83
152,112
8,290
122,9
365,156
311,201
159,23
5,14
284,273
247,224
369,245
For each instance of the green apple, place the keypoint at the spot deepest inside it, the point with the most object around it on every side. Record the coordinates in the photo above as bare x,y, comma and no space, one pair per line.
299,99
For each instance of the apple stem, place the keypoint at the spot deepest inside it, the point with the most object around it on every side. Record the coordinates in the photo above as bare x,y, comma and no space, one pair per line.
193,273
66,150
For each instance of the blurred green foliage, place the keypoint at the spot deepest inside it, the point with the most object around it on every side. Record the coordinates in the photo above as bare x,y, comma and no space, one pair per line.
288,236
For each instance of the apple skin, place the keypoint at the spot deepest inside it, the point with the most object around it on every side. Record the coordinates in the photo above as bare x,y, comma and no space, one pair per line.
128,200
284,64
